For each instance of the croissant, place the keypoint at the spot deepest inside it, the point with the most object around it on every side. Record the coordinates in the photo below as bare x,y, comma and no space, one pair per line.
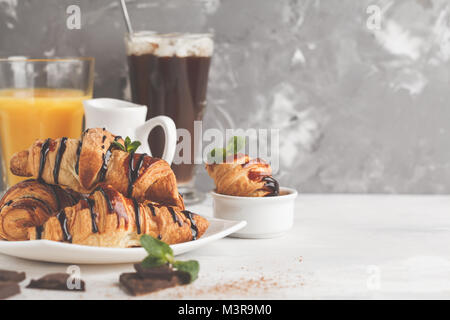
106,218
82,164
242,176
30,203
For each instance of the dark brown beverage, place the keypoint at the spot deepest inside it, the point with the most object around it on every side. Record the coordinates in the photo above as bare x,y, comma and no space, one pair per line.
169,74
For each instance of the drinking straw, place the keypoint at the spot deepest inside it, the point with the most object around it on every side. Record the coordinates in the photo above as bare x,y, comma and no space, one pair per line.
126,17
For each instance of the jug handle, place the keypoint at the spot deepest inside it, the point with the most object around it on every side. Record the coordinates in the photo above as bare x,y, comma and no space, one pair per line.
170,135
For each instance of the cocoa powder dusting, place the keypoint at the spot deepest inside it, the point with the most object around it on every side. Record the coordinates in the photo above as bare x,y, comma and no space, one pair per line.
243,286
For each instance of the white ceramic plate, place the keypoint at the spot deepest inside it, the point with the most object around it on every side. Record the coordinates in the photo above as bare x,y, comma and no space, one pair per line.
52,251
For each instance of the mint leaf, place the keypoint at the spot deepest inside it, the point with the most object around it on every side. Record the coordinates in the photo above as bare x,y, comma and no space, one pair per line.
129,146
192,267
157,249
217,155
235,144
132,147
152,262
119,145
160,253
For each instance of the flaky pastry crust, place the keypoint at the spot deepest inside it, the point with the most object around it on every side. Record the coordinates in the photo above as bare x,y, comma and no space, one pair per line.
82,165
29,204
242,176
108,219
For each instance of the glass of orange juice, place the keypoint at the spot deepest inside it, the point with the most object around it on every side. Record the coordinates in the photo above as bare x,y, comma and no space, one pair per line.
39,99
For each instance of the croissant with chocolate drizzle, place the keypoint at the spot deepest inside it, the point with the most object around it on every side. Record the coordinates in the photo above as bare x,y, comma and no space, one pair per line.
239,175
106,218
29,204
83,164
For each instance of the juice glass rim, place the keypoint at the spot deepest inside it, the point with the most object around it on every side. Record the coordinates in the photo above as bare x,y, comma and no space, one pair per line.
90,60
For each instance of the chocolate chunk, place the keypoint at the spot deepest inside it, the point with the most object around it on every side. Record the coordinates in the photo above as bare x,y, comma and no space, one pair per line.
164,272
56,281
8,289
147,280
6,275
137,285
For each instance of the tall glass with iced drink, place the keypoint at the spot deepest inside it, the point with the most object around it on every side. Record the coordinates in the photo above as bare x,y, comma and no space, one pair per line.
169,74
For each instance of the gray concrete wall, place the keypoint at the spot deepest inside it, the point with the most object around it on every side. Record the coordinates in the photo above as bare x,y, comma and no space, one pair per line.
360,110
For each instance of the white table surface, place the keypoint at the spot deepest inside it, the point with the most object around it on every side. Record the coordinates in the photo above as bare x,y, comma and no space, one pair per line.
341,246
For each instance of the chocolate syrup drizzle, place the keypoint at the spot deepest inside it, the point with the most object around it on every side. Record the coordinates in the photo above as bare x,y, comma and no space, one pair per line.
174,216
47,207
71,196
55,195
59,155
137,215
194,228
106,157
6,204
133,171
271,184
77,163
39,230
44,151
112,205
107,199
152,209
90,204
73,199
62,218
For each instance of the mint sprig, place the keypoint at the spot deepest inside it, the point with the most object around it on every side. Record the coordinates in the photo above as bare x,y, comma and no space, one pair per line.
217,155
160,253
234,145
156,249
191,267
129,146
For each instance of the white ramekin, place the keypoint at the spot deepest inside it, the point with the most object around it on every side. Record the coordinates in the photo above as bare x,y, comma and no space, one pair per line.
267,217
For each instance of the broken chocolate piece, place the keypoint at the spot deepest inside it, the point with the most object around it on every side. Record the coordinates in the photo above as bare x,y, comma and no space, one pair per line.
138,285
8,289
6,275
56,281
147,280
164,272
